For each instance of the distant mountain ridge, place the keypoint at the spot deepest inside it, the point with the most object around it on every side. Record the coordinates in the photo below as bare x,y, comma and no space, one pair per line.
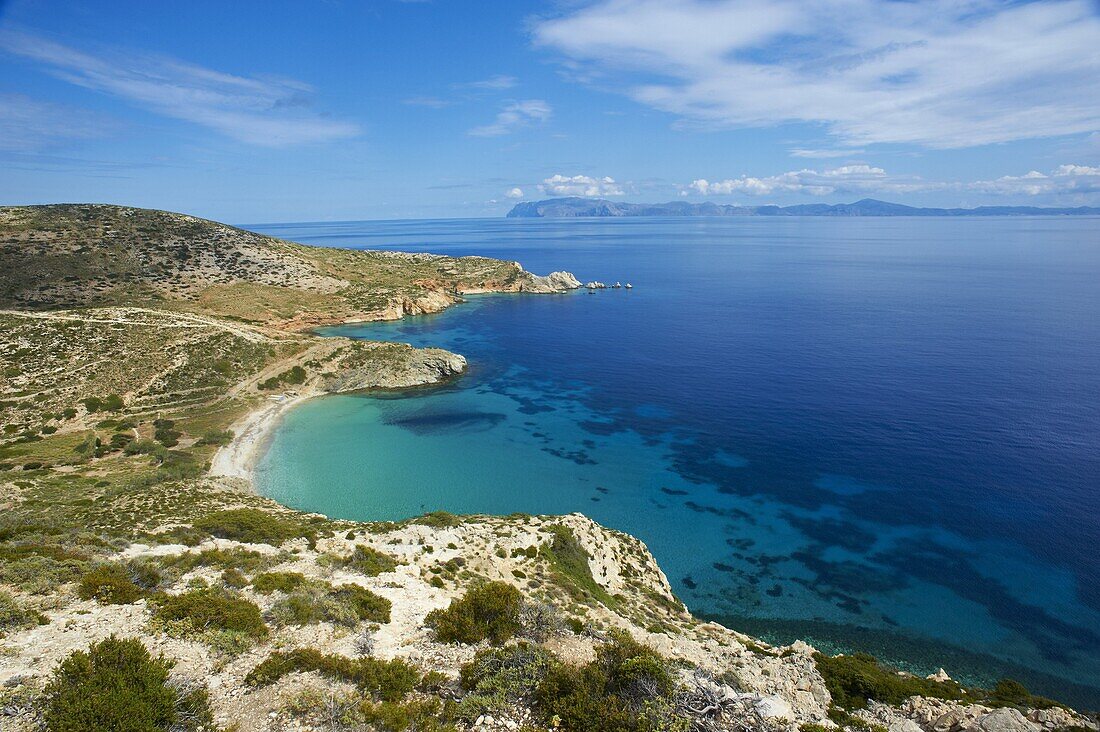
598,207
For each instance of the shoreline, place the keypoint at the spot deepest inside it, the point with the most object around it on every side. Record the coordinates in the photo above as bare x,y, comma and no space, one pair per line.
238,458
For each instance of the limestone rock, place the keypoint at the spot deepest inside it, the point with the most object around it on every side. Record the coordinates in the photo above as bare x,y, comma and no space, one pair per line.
553,282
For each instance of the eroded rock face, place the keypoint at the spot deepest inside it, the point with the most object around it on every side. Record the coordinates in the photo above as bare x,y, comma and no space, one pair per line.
553,282
937,715
412,367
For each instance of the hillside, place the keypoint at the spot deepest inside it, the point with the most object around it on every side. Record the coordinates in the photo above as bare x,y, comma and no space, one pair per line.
595,207
70,256
146,586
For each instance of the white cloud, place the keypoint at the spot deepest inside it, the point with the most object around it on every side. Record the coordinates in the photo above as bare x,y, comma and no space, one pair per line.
845,179
257,110
800,152
513,116
937,73
28,124
580,185
493,83
514,193
1063,180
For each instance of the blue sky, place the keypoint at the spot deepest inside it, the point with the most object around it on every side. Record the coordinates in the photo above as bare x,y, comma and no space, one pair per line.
283,111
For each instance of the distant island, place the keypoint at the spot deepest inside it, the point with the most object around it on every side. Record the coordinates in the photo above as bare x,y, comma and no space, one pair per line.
573,207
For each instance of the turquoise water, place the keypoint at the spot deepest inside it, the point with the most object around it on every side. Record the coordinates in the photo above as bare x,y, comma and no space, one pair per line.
877,433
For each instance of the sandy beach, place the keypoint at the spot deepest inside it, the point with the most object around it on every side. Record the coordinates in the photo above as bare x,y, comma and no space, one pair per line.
238,458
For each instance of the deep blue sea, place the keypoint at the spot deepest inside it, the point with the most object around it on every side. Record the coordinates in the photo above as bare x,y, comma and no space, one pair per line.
874,433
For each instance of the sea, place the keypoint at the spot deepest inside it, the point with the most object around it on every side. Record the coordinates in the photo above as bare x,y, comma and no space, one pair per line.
876,434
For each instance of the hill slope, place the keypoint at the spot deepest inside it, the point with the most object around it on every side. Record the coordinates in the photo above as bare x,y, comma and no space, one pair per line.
86,255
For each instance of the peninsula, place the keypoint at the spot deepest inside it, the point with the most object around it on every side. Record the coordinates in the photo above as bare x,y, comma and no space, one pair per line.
145,355
574,207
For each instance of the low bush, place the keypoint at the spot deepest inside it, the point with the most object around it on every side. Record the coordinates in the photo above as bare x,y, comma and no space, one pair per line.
438,520
385,680
109,584
14,616
117,685
250,525
1010,693
269,582
319,602
501,678
628,688
368,561
859,678
209,609
216,437
243,560
488,611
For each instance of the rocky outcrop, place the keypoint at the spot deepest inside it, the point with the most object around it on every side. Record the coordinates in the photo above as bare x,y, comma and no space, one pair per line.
919,714
553,282
401,367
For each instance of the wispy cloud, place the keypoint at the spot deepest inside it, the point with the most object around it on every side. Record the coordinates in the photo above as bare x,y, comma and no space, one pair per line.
431,102
580,185
256,110
497,82
801,152
513,116
936,73
28,124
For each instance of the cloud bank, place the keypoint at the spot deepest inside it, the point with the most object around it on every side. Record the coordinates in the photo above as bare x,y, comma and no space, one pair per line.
1063,181
935,73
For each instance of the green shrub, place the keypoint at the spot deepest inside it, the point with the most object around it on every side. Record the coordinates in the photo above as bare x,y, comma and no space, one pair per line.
249,525
109,584
487,611
386,680
233,578
500,678
370,562
13,616
856,679
216,437
1010,693
438,520
269,582
117,685
244,560
627,688
146,447
212,609
319,602
569,562
418,715
165,432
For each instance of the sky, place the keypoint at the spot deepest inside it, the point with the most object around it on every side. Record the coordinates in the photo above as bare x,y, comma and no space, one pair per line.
273,111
